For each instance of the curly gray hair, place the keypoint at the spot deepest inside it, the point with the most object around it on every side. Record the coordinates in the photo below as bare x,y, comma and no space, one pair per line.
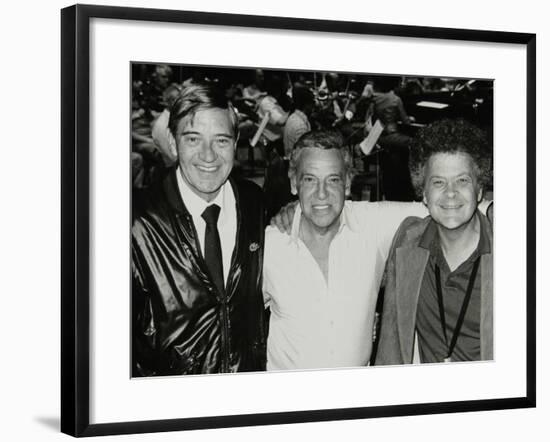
450,136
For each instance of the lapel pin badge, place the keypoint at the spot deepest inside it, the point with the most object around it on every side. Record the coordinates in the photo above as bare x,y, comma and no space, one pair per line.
253,247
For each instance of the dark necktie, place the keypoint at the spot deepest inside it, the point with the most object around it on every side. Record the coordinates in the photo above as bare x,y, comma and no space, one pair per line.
212,246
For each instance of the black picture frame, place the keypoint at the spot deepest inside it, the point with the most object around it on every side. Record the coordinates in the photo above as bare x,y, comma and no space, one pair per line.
75,212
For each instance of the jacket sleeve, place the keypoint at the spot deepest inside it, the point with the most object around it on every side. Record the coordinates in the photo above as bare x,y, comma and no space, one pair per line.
389,351
143,325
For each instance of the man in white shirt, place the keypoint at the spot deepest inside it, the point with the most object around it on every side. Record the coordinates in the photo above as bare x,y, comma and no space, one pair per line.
321,282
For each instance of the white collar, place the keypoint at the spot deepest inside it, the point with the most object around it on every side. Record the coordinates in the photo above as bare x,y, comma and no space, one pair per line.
347,220
196,205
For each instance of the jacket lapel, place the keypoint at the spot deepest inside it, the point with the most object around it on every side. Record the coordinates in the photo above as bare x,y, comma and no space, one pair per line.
486,307
183,221
486,313
411,263
232,275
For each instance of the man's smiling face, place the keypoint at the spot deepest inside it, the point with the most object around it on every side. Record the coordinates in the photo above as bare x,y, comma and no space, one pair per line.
451,190
206,149
321,184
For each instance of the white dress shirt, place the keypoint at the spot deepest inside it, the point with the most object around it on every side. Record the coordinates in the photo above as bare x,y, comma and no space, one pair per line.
227,221
320,324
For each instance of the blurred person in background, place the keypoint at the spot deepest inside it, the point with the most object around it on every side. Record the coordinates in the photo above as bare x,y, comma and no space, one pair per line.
389,109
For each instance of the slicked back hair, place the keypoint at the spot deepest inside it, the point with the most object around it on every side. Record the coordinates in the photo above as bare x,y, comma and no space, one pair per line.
200,97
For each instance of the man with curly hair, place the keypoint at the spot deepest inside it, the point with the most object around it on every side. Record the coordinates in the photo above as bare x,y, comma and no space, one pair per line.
438,303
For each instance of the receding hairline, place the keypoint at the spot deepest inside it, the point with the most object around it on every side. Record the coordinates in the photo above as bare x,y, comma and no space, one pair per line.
318,148
322,148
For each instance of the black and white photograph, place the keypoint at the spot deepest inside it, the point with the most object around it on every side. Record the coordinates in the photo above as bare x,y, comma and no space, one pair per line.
292,220
273,220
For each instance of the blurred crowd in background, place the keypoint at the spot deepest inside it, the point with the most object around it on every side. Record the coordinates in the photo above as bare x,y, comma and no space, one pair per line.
276,107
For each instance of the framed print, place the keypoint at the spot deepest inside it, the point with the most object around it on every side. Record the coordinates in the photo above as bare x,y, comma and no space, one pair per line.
183,133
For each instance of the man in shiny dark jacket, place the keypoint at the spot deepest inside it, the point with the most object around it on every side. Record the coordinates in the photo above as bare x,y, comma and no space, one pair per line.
196,299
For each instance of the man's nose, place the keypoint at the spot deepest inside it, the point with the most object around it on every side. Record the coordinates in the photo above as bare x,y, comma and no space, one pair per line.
451,189
321,191
207,152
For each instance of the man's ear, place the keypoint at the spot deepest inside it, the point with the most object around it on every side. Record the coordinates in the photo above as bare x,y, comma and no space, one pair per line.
293,187
424,200
172,143
348,185
479,195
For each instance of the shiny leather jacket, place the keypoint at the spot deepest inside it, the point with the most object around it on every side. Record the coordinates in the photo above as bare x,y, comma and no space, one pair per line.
181,323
